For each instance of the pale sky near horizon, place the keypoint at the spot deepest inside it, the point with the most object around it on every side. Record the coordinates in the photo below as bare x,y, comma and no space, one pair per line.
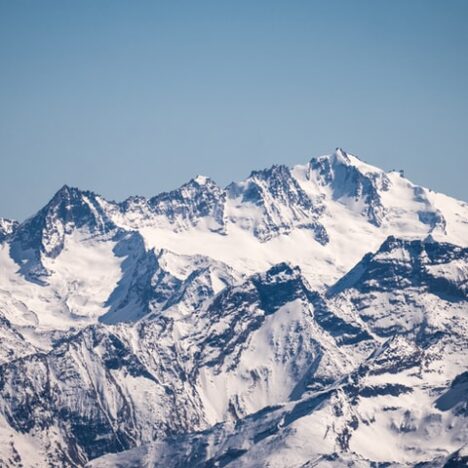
126,98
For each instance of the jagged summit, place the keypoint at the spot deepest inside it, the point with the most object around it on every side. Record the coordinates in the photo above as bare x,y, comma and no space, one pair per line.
341,156
69,197
202,180
66,189
7,228
317,199
403,263
44,234
276,170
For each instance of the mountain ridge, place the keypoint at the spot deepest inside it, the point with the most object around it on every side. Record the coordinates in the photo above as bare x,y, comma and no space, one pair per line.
286,319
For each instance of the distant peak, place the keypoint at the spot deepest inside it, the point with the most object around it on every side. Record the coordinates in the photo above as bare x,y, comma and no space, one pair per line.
276,169
341,156
66,191
7,227
5,221
201,179
67,195
202,182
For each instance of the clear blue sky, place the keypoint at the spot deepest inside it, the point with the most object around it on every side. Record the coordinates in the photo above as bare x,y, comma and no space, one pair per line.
136,97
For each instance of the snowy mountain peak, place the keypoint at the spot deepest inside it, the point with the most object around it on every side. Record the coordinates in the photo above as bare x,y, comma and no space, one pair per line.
75,209
341,156
44,233
277,171
279,273
66,190
409,264
276,204
334,162
200,200
351,182
201,180
7,228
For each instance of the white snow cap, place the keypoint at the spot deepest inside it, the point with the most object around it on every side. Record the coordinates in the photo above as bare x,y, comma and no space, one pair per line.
341,155
201,179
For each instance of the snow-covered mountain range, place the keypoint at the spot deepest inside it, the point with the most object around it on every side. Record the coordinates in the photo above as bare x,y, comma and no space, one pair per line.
306,316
